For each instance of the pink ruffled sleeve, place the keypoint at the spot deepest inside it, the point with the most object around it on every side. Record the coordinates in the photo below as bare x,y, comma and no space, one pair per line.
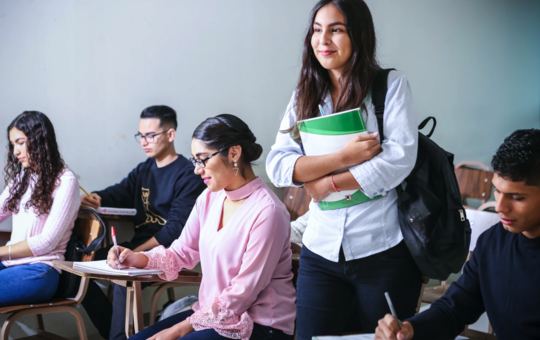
183,253
223,320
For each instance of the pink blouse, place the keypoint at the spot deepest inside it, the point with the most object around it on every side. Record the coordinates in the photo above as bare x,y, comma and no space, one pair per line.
246,265
47,235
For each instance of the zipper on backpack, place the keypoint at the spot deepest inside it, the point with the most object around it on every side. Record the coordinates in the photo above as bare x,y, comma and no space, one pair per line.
462,215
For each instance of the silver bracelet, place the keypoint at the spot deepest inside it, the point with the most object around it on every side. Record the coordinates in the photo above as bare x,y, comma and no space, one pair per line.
9,247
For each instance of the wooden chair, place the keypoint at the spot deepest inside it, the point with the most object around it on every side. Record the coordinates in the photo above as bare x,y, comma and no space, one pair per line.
89,228
297,201
474,183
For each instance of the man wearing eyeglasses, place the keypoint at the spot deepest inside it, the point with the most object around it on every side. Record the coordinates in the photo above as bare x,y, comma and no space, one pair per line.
163,190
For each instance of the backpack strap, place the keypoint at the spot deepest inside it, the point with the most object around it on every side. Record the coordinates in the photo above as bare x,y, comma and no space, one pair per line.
423,125
378,97
97,241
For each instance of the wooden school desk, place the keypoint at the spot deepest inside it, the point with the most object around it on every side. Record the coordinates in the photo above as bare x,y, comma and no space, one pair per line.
134,313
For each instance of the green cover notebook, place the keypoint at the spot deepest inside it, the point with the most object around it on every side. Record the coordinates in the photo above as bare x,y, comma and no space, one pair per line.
328,134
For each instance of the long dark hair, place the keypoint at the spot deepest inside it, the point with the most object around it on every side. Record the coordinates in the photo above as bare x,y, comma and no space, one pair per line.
358,75
44,161
226,130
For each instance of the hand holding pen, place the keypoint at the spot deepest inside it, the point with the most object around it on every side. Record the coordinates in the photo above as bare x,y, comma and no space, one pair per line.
390,328
122,258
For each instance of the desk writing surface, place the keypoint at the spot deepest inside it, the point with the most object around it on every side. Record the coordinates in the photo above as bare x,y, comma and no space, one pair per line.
183,276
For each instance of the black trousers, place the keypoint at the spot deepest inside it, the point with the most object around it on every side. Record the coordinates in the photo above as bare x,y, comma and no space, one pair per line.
328,292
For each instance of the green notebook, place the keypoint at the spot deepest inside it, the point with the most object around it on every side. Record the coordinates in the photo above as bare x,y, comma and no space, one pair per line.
328,134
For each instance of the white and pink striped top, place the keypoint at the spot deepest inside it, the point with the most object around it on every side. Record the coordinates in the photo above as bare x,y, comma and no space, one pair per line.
47,235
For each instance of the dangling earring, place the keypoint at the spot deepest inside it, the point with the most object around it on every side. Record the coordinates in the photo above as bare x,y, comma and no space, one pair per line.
235,168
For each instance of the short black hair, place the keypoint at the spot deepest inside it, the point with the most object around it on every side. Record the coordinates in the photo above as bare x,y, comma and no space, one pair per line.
165,114
518,158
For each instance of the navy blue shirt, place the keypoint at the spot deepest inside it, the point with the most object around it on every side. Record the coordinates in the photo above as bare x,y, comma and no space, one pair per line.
162,196
501,278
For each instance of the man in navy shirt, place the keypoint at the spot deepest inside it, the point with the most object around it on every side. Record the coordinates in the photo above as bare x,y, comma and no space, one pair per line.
163,190
503,276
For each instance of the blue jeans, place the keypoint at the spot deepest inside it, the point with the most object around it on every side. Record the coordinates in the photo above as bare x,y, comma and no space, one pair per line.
259,332
27,283
333,296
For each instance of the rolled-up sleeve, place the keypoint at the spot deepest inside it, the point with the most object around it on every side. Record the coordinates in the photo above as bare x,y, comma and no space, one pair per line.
285,152
388,169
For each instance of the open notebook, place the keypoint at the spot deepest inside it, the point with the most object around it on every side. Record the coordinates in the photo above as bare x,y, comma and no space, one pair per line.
102,267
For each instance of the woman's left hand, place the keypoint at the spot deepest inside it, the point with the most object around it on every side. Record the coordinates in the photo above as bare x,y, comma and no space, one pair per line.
319,188
175,332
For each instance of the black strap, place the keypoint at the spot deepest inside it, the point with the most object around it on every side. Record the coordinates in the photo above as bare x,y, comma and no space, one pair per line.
97,241
424,123
378,97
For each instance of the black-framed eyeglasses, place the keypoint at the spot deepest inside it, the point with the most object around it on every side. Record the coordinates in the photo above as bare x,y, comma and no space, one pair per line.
202,162
148,138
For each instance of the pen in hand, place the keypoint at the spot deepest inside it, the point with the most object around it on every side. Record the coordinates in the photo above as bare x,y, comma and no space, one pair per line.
113,236
392,309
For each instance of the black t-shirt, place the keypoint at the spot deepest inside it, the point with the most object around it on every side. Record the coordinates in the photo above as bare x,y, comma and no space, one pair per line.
503,279
162,196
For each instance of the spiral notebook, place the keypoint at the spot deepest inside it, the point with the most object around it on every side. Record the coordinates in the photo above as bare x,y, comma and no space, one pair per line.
101,267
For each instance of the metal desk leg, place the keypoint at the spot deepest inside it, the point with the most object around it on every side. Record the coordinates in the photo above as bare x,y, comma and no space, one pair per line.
137,307
129,309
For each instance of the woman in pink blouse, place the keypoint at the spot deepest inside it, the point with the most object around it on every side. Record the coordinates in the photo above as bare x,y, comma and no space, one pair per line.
240,232
42,196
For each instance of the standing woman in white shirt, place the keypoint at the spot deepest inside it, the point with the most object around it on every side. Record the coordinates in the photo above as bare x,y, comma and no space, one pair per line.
351,255
42,196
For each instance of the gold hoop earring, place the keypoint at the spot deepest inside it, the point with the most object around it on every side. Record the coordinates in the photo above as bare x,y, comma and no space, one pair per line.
235,168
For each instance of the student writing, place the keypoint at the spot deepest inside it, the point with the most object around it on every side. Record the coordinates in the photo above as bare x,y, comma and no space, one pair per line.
239,231
502,276
163,189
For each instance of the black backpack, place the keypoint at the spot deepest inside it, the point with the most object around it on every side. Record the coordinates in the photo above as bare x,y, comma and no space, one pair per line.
68,284
431,214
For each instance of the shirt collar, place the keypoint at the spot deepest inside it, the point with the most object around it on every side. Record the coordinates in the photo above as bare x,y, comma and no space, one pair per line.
245,191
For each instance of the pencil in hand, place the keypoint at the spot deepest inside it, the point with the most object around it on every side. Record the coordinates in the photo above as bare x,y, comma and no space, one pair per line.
86,192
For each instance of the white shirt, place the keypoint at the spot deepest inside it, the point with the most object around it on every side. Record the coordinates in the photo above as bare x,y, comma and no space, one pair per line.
371,227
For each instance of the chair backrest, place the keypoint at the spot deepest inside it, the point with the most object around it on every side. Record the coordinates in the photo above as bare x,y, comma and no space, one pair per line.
473,183
480,221
88,227
297,201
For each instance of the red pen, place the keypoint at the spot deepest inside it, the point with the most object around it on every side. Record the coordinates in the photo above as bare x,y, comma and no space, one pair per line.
113,236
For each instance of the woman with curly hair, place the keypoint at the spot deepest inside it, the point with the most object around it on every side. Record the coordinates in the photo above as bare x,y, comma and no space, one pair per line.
42,196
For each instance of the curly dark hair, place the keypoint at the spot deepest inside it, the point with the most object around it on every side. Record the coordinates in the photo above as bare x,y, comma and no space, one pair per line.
518,158
45,163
